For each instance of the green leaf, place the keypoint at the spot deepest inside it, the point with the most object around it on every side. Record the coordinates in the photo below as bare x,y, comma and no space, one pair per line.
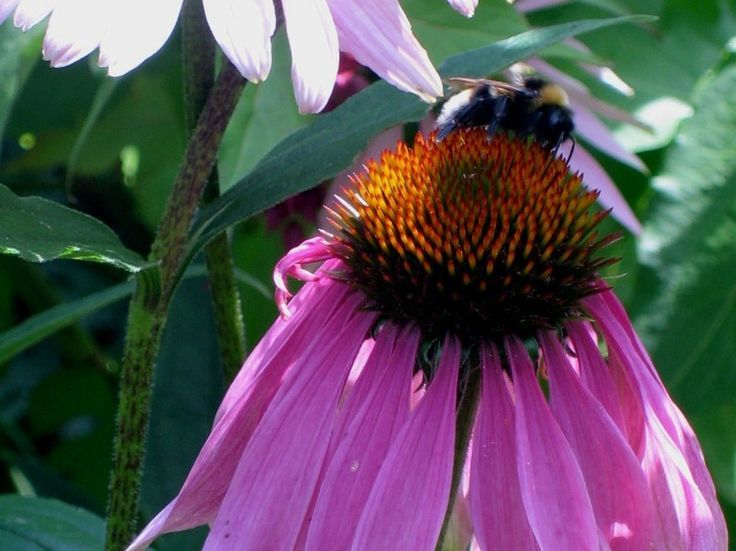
38,230
489,59
189,387
30,524
689,313
40,326
331,142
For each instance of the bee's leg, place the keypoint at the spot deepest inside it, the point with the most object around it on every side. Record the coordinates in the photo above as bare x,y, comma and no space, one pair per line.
501,106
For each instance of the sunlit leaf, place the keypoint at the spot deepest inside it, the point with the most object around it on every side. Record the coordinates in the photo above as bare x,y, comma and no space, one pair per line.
38,230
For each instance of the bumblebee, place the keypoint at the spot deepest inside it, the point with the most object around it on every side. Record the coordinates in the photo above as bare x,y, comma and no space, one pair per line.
533,108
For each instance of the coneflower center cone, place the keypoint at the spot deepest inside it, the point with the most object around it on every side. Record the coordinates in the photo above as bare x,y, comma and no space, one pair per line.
470,236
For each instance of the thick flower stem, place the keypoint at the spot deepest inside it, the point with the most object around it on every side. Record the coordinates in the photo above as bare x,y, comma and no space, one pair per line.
463,429
199,71
150,304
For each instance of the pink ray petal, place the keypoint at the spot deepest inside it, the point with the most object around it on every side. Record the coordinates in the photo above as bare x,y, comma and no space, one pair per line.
75,29
525,6
378,34
616,485
275,479
286,339
207,482
376,409
118,53
243,29
552,487
7,6
580,92
466,7
671,453
291,265
592,129
610,197
409,500
32,12
499,518
314,52
594,372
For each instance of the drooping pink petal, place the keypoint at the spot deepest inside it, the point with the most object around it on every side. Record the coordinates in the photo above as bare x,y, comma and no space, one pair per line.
285,339
580,93
672,456
616,485
119,53
7,6
552,486
314,249
594,372
525,6
499,517
32,12
592,129
243,29
75,29
610,197
376,409
409,500
378,34
314,52
275,479
241,411
466,7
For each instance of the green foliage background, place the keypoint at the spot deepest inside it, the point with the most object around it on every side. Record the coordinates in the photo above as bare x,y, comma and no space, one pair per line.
87,147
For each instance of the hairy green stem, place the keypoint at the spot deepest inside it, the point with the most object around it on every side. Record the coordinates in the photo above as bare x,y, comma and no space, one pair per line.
227,305
150,304
199,70
466,411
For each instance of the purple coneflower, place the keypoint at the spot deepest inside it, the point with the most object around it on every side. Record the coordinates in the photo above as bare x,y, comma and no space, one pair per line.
376,33
457,318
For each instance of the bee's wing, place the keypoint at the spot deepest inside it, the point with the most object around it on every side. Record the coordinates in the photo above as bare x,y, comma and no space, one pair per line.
505,88
462,83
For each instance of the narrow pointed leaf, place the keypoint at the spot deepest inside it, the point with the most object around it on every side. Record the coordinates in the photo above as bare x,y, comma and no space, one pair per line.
329,145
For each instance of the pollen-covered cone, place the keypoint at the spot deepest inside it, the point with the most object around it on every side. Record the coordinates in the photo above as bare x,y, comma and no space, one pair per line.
458,277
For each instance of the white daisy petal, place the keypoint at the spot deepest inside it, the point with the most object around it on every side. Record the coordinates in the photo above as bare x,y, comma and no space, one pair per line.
75,29
314,52
243,29
466,7
31,12
7,6
378,34
137,30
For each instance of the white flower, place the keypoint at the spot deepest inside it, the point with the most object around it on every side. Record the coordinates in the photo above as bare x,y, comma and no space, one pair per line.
375,32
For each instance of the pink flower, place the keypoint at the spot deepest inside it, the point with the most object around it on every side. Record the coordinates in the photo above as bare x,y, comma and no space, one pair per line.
375,32
459,274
